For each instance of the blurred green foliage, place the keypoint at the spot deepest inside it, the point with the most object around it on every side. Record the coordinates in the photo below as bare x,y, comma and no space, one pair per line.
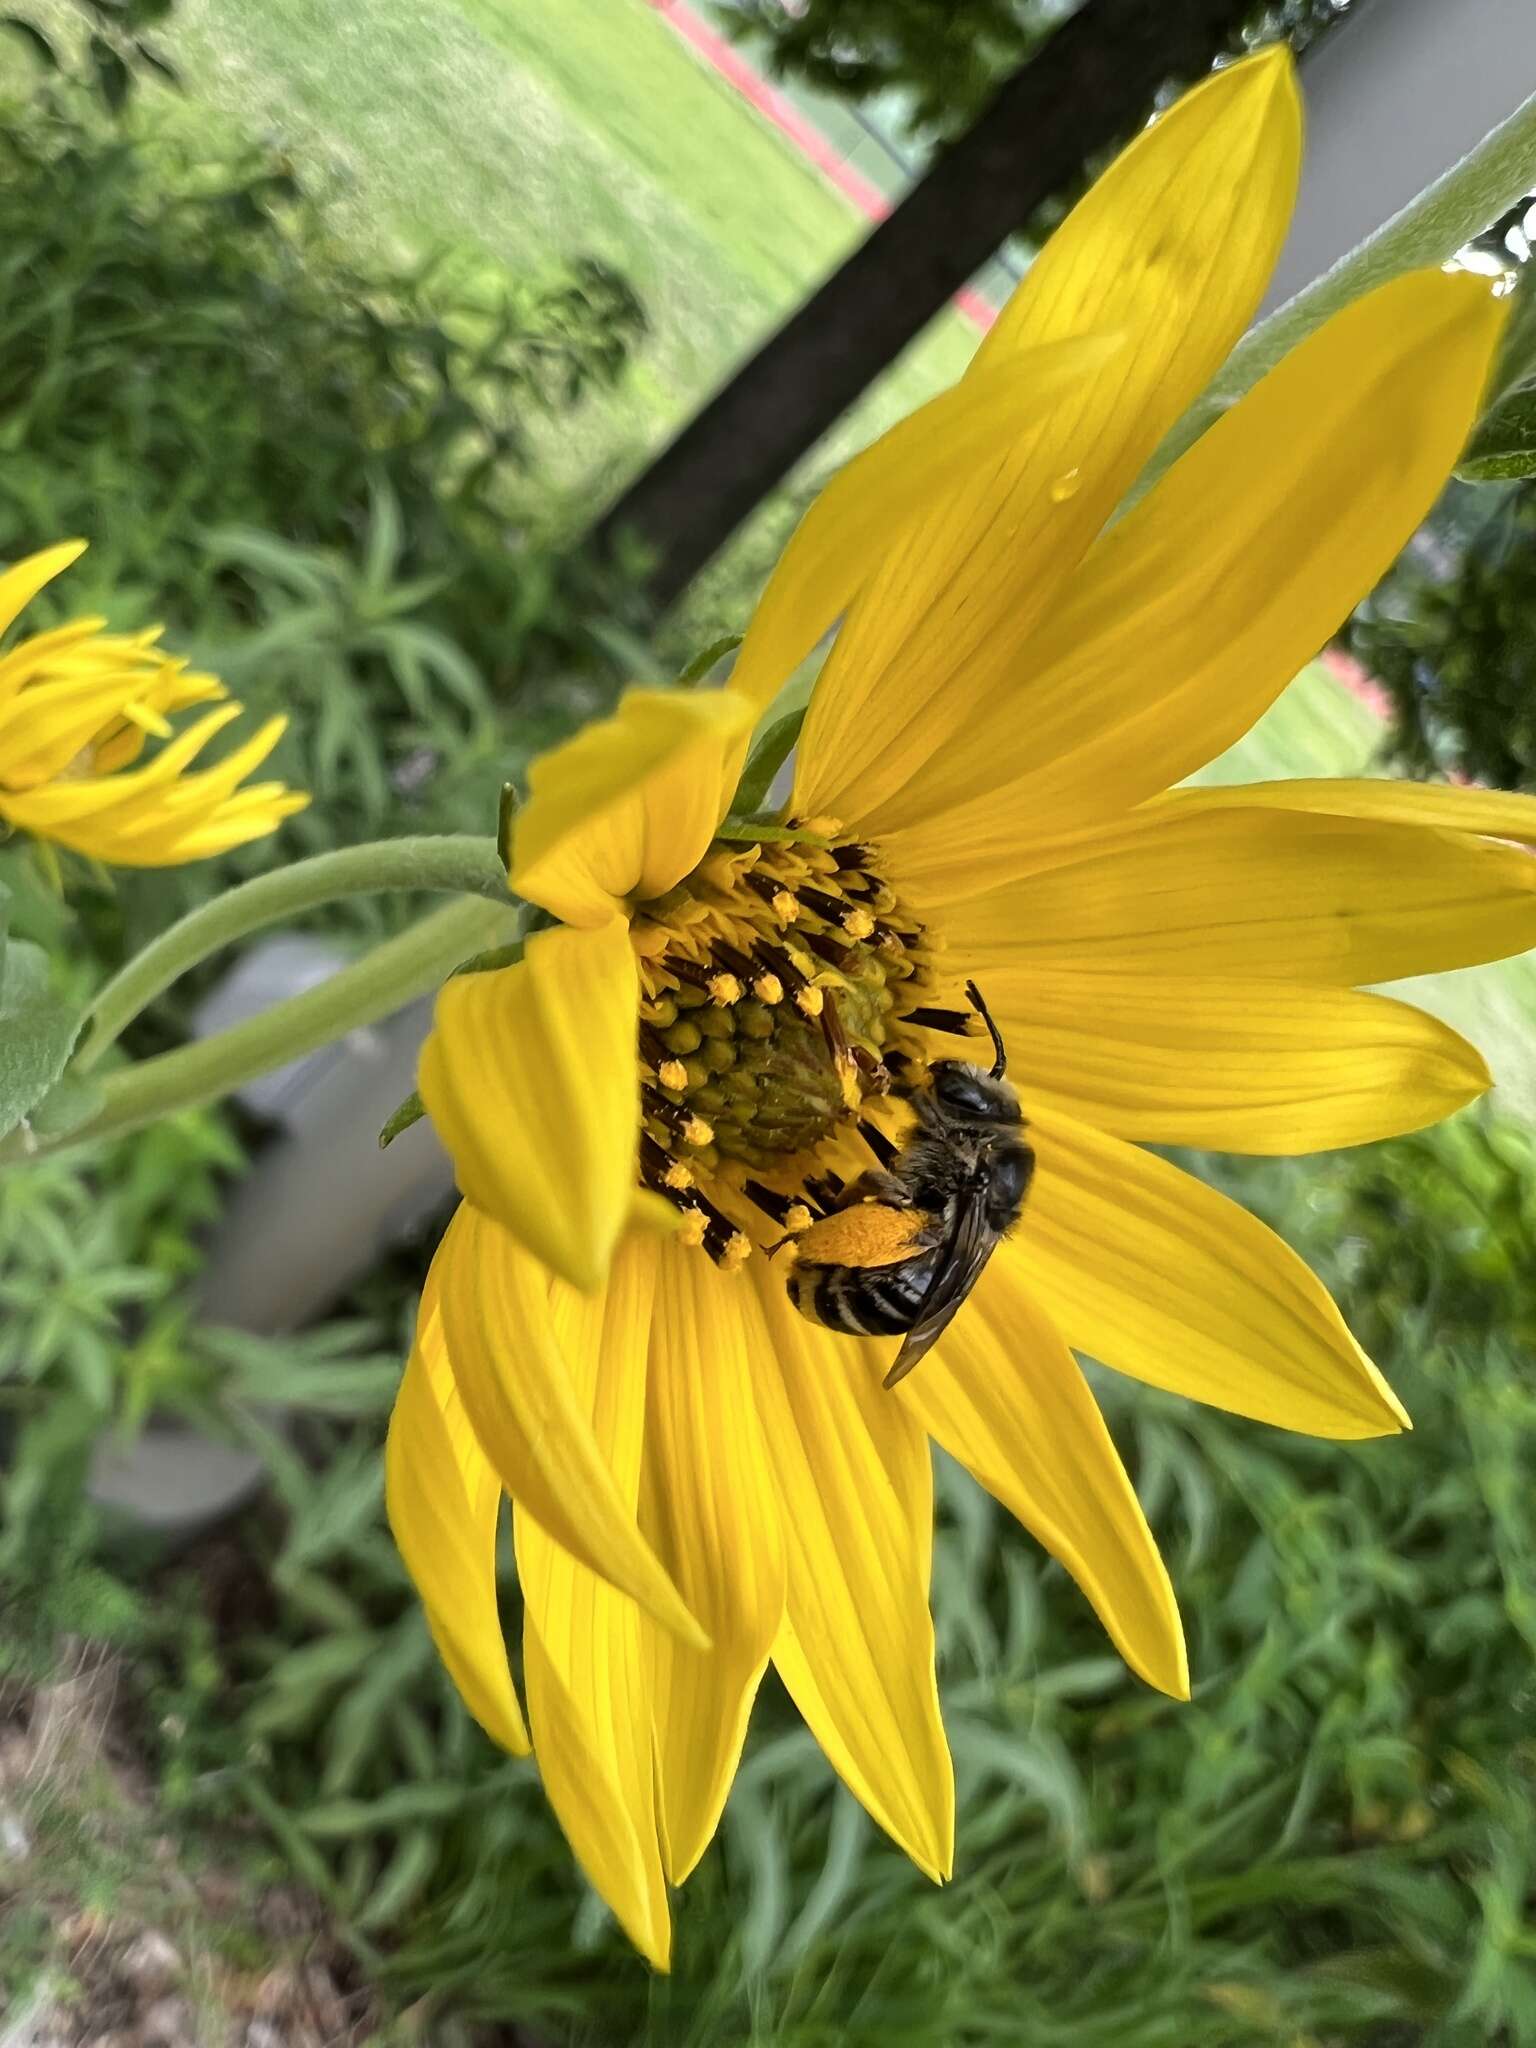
1451,635
1331,1843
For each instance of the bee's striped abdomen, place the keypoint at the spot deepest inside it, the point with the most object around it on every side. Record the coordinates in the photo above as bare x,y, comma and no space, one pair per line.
882,1301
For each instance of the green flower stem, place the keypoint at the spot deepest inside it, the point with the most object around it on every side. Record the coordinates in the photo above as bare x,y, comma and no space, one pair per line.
462,863
393,974
1429,230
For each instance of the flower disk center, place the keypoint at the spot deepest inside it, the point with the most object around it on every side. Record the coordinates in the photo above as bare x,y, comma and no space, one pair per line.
776,982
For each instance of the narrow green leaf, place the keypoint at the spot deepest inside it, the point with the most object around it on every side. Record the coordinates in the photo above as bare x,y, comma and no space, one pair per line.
1504,444
37,1030
1517,352
114,81
401,1879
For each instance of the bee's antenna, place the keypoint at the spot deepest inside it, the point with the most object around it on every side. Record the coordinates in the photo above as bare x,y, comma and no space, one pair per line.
1000,1064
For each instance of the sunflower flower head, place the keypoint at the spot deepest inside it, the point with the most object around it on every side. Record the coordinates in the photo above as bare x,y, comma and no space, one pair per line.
719,1041
78,705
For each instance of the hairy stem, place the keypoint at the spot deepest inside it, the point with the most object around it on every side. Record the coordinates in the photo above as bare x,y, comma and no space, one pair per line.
463,862
393,974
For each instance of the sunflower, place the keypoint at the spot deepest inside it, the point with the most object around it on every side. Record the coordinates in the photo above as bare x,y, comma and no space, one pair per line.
76,707
700,1047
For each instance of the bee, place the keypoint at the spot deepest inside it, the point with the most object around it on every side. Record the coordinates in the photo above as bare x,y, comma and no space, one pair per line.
905,1245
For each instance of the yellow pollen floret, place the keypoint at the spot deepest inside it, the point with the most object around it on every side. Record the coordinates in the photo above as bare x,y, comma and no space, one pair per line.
724,989
677,1176
672,1074
797,1217
811,1001
697,1132
768,989
857,923
737,1251
692,1228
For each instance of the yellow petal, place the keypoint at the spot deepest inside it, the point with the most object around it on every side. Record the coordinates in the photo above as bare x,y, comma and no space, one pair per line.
1189,617
629,806
1238,1066
21,583
1151,1271
708,1506
443,1501
1003,1394
582,1662
1170,250
1448,807
855,1489
531,1080
514,1378
1212,888
865,509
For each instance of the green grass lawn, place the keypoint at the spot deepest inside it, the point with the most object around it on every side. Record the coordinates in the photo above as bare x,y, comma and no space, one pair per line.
525,134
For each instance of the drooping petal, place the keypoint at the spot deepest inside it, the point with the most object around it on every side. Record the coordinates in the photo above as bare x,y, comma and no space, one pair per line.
1150,1271
529,1076
1003,1394
443,1501
1189,617
514,1378
860,515
628,807
582,1663
1219,887
707,1504
1237,1066
163,813
855,1487
24,579
1170,250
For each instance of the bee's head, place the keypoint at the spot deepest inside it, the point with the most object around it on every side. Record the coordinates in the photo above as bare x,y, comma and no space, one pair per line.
972,1093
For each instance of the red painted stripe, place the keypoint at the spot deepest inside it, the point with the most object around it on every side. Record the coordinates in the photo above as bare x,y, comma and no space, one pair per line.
802,134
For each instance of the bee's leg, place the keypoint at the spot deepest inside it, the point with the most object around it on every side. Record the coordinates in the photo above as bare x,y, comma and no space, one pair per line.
826,1190
875,1186
878,1142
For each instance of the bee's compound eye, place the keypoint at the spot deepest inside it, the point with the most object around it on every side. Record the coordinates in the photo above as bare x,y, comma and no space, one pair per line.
963,1089
1013,1169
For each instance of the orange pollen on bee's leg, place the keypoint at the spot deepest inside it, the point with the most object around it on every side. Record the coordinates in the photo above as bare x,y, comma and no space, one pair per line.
774,981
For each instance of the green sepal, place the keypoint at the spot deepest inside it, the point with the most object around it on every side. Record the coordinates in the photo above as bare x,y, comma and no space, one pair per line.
492,958
764,762
706,658
506,820
763,830
411,1111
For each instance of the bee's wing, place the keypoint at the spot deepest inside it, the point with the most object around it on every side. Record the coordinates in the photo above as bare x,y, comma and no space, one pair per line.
971,1243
